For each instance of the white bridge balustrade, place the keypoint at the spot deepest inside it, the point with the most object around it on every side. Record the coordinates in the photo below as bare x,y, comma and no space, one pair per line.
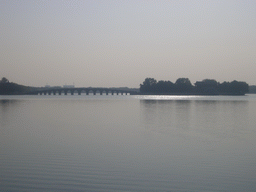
79,91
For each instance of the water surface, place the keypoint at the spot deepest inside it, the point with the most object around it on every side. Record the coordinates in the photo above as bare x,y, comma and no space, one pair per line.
127,143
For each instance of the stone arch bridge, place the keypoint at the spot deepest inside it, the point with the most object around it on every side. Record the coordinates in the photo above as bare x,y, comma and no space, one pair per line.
87,91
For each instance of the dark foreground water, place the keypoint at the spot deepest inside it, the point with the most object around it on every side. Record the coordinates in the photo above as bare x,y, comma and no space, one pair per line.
128,143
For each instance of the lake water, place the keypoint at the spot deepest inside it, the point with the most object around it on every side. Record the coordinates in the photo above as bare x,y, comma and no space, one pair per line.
128,143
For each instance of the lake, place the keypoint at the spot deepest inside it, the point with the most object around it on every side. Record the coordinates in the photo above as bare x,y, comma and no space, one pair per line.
128,143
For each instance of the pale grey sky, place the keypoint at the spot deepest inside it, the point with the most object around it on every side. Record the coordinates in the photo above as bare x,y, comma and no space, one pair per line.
120,43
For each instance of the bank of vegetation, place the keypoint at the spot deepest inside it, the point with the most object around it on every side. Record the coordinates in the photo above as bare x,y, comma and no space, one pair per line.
151,86
183,86
9,88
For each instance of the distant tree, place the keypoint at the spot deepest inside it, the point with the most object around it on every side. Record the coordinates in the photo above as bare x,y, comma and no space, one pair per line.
233,88
183,85
183,81
148,85
164,86
224,87
239,87
207,86
4,80
211,82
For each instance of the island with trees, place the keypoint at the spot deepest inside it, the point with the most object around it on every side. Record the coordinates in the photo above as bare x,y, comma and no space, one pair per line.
183,86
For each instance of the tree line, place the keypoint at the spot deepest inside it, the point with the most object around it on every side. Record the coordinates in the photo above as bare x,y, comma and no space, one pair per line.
184,86
9,88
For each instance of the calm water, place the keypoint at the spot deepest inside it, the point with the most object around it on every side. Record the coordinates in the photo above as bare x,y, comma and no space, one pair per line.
128,143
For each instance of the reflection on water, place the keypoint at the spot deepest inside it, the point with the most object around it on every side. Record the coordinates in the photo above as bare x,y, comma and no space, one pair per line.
6,106
218,119
133,143
166,115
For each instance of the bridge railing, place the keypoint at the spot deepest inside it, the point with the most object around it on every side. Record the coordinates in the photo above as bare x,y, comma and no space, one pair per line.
87,91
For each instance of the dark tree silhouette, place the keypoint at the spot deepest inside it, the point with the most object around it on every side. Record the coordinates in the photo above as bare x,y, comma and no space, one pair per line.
164,86
184,86
7,88
207,86
148,85
4,80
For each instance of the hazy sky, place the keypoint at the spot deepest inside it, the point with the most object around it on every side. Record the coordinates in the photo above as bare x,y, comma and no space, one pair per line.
120,43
